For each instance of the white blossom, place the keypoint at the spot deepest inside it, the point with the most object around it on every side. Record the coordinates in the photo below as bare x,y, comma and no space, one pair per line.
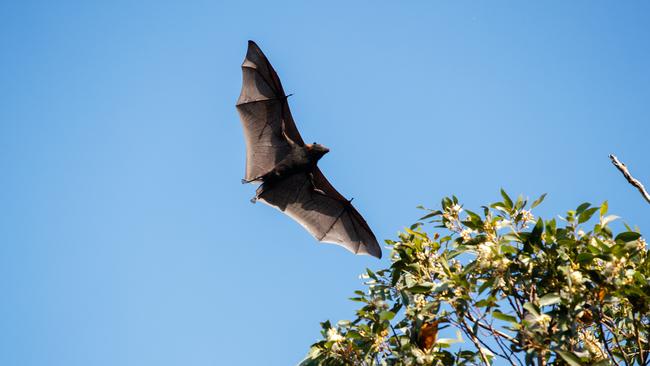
527,216
501,224
466,234
576,277
333,335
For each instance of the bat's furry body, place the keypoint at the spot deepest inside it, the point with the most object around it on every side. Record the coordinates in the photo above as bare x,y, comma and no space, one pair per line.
298,159
277,156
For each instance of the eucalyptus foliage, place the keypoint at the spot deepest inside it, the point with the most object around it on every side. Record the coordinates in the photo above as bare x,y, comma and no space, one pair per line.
501,286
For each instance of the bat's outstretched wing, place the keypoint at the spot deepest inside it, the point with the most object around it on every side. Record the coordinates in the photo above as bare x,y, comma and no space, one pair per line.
264,114
323,212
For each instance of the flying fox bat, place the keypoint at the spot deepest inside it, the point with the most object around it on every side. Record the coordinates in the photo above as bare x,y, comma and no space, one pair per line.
278,158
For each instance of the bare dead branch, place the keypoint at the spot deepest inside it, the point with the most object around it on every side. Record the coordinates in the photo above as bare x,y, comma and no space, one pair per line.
623,169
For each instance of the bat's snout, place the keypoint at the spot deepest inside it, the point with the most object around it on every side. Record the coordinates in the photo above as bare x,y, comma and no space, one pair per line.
318,148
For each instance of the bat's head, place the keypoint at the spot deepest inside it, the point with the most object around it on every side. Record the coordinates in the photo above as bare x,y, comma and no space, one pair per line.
317,150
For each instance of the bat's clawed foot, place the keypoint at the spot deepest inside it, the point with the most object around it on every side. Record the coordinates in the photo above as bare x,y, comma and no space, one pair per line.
254,200
259,179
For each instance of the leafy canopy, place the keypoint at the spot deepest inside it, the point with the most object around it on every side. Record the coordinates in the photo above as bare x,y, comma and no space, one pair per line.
501,283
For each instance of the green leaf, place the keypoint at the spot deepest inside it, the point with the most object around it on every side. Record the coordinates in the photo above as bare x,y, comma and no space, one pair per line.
326,325
628,236
603,208
446,202
536,234
549,299
585,258
469,268
478,239
531,309
386,315
421,288
520,203
538,201
551,226
431,214
602,363
491,302
442,288
508,249
607,219
416,233
582,207
586,215
474,217
371,274
506,199
353,334
505,317
569,357
405,298
511,237
445,342
486,284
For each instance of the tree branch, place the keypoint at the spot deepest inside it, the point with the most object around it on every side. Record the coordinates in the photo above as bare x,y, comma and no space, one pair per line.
613,333
606,343
642,355
498,336
474,339
491,329
623,169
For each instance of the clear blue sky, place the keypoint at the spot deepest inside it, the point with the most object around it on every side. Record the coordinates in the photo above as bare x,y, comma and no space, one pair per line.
126,237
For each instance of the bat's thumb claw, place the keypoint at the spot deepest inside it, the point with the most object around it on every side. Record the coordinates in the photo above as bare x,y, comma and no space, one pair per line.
254,199
244,181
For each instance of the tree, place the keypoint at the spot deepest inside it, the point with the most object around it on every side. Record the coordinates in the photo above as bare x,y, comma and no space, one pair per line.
505,285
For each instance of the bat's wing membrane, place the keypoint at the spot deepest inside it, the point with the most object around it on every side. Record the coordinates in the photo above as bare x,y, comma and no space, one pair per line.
329,218
264,113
